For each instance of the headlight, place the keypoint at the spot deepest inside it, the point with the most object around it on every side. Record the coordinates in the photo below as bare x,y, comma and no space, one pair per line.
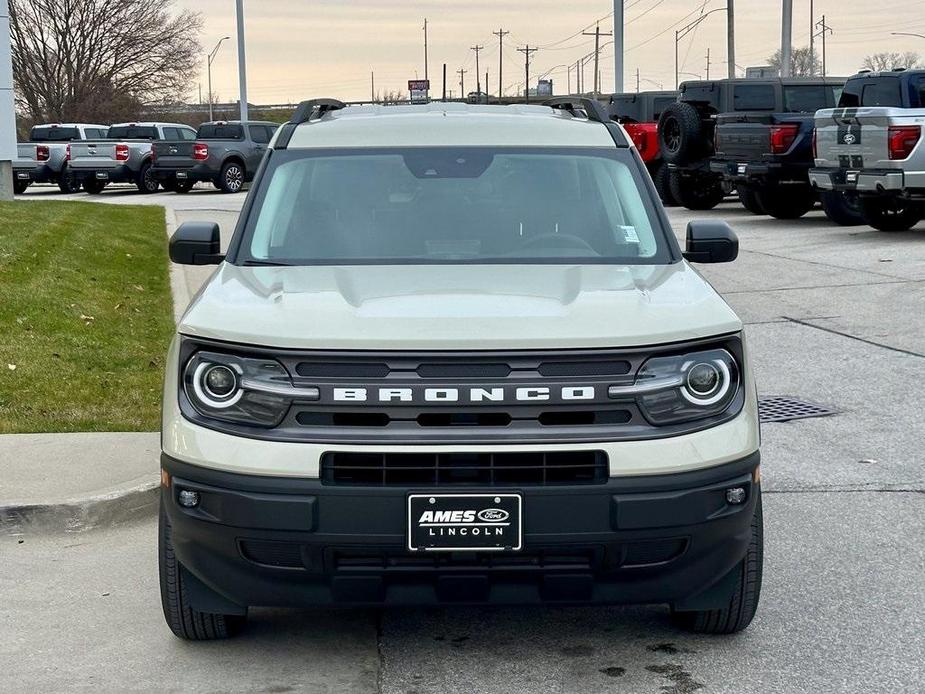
683,388
257,392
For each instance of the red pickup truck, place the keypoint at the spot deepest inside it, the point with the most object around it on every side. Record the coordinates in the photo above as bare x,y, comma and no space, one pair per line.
638,113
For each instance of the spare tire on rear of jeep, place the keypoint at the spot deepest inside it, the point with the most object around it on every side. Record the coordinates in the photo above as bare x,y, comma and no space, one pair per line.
680,133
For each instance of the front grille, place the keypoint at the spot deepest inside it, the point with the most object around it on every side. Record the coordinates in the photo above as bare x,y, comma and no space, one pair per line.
653,552
481,469
282,554
384,561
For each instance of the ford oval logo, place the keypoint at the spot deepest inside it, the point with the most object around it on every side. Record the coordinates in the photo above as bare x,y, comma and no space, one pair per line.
849,138
493,515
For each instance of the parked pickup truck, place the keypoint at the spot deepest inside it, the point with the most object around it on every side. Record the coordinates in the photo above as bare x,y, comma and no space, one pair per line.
686,130
767,155
638,113
225,153
44,158
871,145
124,156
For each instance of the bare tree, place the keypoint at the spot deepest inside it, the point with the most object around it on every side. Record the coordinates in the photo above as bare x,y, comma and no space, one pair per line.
802,63
99,60
878,62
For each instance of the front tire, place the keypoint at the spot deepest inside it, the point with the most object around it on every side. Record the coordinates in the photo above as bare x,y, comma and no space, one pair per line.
182,187
661,177
749,199
696,192
231,179
738,613
19,187
146,183
185,621
67,182
889,214
93,186
841,208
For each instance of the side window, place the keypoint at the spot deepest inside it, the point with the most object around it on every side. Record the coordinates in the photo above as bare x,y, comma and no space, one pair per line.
805,98
917,85
753,97
187,134
171,133
882,92
850,95
259,134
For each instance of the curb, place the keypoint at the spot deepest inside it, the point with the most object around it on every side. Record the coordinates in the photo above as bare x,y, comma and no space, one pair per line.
78,515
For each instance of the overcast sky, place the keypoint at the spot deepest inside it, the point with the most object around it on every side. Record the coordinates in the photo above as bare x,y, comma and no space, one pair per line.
300,49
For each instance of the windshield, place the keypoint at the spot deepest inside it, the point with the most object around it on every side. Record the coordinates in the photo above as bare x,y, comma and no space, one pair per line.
453,205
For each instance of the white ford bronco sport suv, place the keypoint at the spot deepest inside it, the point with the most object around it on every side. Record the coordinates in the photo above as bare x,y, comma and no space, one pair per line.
454,354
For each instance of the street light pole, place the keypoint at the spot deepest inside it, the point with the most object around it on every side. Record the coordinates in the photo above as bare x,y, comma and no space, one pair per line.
209,60
684,31
242,62
7,110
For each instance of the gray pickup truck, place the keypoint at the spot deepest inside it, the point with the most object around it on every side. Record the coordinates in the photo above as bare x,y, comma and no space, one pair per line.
124,156
871,145
226,154
44,158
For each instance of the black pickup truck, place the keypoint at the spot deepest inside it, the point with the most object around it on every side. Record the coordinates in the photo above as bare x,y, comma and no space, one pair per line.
767,154
687,129
225,153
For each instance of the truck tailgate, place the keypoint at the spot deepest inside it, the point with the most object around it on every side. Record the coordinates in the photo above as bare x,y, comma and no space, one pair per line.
173,154
93,154
858,138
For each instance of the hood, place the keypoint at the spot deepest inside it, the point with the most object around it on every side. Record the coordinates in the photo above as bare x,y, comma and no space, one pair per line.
448,307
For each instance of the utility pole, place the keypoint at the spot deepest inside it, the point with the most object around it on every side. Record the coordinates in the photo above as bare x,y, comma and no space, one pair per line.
618,46
242,61
372,86
478,77
823,30
501,33
812,39
527,51
425,47
731,39
486,87
7,108
444,81
568,78
462,83
597,49
786,37
708,63
637,80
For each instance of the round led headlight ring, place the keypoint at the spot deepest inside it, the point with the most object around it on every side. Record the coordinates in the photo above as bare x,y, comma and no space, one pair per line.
706,383
217,385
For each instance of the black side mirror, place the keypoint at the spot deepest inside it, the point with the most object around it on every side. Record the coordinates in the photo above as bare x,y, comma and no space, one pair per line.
711,241
197,243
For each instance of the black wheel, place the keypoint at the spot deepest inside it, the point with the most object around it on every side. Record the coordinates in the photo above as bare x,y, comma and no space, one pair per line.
889,214
146,182
231,179
661,177
67,182
841,208
743,601
680,133
786,202
184,620
696,192
749,199
182,186
93,186
19,187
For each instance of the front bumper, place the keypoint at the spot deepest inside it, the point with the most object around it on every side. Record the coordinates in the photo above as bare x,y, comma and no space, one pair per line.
108,174
270,541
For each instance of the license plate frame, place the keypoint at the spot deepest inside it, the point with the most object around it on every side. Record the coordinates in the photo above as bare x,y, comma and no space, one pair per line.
102,176
468,532
181,175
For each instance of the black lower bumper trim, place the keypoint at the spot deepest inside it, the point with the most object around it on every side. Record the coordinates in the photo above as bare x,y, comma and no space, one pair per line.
260,541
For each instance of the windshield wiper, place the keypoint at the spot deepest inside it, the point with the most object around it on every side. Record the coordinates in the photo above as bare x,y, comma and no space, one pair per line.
265,263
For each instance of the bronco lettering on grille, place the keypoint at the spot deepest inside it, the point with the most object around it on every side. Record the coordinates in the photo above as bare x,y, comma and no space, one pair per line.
493,394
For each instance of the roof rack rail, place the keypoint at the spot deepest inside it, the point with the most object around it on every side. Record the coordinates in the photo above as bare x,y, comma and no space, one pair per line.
593,108
315,108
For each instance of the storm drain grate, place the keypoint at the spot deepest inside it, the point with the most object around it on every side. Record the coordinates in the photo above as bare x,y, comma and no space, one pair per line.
783,409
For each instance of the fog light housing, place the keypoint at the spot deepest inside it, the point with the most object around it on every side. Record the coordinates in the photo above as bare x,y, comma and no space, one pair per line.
190,499
735,495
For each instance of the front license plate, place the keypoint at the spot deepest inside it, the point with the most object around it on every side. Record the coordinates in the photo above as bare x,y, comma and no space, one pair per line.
741,169
851,177
465,522
102,175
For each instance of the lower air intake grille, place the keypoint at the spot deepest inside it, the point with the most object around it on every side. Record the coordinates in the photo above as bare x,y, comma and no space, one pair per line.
286,554
441,469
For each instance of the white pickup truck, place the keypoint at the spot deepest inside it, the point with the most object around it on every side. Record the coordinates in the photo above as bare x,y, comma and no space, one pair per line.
871,145
124,156
44,158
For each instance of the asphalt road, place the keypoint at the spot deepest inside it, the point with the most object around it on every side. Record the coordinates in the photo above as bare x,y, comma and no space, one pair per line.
834,317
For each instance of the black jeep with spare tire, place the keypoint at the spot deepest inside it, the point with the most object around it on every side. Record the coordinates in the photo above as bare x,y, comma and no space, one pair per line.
687,131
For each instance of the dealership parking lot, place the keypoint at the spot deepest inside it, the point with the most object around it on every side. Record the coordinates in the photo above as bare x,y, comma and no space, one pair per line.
834,318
